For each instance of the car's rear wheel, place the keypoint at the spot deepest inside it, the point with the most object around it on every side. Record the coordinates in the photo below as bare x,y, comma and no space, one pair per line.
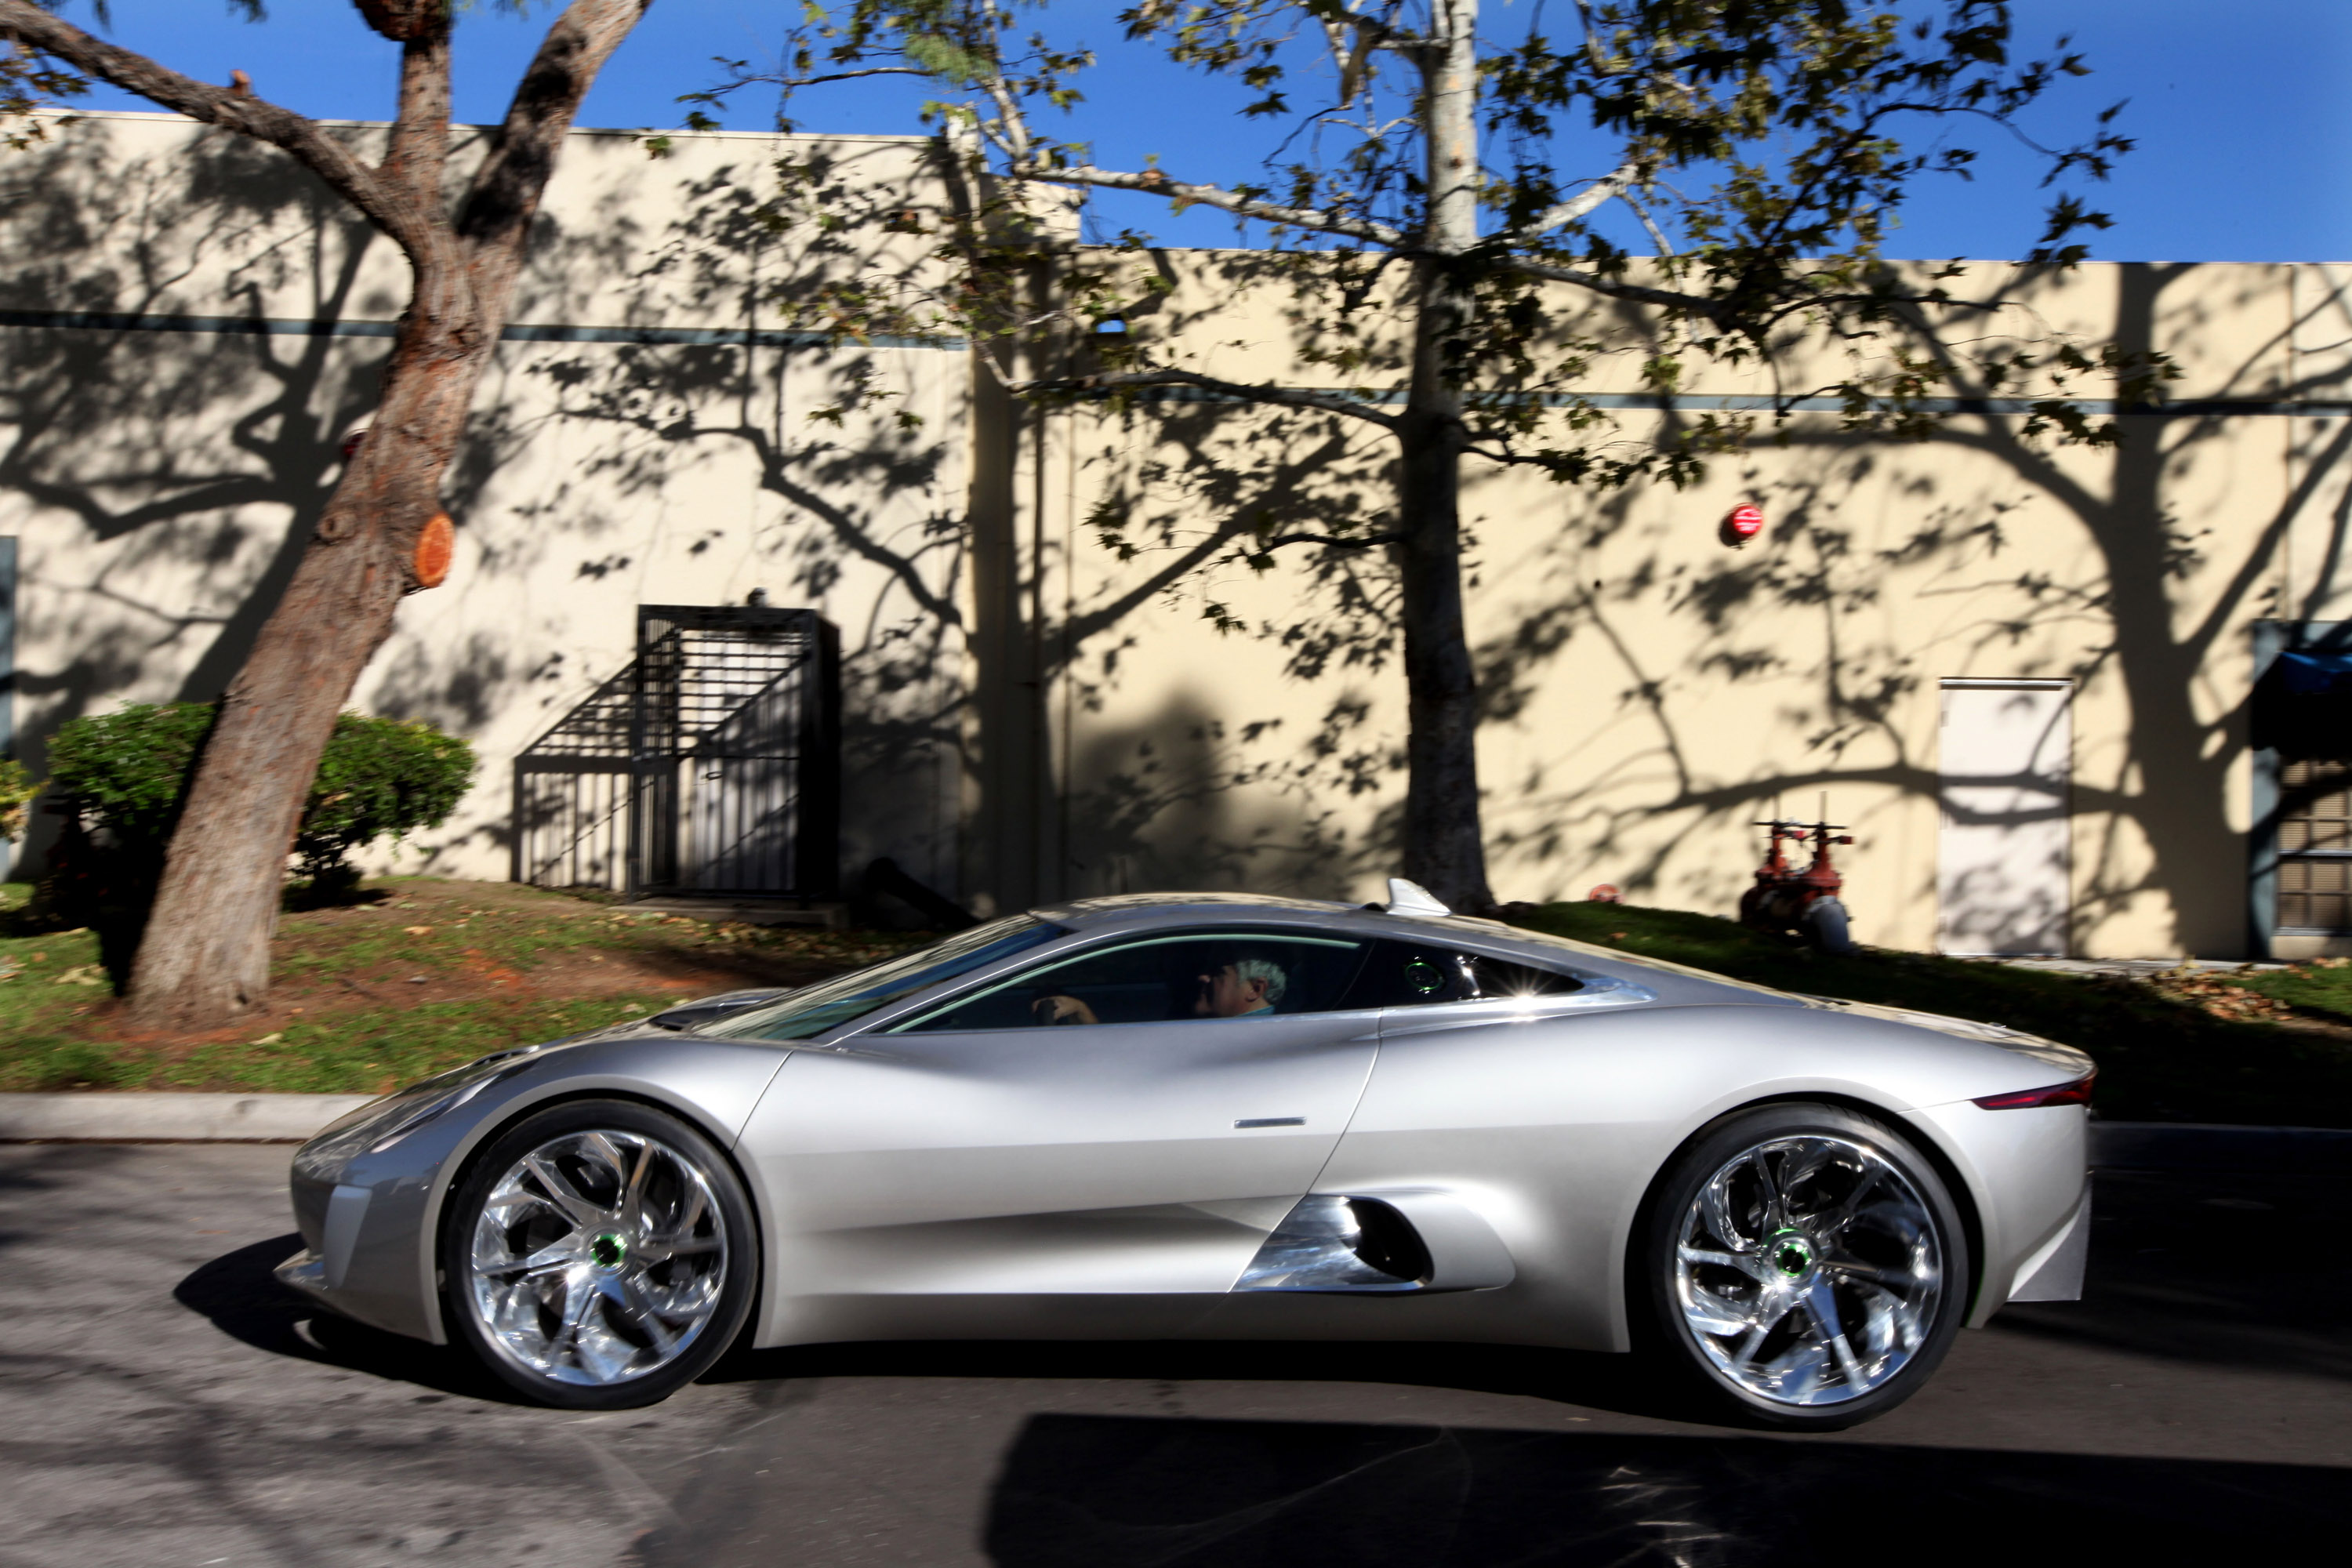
1806,1267
599,1255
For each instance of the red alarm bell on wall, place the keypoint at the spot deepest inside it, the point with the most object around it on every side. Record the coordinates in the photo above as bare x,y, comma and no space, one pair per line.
1742,524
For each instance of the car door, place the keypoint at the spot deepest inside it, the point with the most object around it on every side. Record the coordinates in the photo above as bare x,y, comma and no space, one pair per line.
970,1151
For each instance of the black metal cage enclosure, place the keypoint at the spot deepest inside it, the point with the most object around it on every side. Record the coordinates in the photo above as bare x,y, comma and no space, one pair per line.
710,767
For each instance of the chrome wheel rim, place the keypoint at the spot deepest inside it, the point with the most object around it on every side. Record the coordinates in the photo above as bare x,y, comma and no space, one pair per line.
598,1258
1809,1269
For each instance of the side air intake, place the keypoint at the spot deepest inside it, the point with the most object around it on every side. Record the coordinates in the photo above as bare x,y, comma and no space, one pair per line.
1390,1242
1330,1243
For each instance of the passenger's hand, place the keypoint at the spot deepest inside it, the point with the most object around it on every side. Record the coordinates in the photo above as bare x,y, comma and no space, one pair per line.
1062,1010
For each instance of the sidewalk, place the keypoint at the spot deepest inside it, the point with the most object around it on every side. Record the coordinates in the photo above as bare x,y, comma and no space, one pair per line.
169,1118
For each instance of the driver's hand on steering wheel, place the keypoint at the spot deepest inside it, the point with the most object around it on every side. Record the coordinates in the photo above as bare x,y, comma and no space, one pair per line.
1063,1010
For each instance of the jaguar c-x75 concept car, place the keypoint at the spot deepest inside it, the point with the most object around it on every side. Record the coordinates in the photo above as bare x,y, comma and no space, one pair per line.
1183,1116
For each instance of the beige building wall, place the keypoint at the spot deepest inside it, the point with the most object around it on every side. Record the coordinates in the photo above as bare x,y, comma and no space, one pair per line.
1030,715
634,446
1650,693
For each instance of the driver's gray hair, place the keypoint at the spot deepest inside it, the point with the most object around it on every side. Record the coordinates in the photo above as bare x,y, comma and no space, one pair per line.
1248,969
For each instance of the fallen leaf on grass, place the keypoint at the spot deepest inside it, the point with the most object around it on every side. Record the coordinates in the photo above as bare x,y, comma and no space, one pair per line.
418,931
268,1039
81,974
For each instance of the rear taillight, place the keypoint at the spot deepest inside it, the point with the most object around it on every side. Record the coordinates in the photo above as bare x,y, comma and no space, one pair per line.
2075,1093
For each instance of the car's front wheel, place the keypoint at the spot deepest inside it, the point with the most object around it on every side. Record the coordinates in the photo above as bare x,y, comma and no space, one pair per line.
1805,1266
599,1255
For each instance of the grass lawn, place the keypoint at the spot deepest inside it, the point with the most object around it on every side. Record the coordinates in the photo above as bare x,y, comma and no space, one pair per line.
425,975
2273,1047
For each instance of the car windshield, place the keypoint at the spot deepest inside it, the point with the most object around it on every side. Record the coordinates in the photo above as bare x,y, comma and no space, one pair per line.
814,1009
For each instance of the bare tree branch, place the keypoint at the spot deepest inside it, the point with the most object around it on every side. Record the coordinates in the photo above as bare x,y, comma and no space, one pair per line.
840,76
1154,183
1657,235
506,191
1613,183
409,224
1158,185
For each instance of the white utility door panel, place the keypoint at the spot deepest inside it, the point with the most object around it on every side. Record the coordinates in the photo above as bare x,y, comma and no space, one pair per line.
2002,872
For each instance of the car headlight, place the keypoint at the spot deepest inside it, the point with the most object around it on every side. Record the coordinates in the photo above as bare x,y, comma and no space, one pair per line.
378,1127
449,1099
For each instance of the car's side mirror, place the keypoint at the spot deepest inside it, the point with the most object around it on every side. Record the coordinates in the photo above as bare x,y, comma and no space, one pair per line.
710,1009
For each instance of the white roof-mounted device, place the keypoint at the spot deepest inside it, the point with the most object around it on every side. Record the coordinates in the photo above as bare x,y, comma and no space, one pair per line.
1413,899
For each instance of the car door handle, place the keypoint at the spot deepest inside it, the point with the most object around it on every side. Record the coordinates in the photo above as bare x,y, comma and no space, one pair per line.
1273,1121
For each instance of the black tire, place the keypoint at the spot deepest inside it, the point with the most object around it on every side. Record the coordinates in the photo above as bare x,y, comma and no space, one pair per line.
1751,1335
645,1286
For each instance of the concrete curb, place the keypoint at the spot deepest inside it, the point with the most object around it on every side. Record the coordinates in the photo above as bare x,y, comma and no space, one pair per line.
169,1118
99,1118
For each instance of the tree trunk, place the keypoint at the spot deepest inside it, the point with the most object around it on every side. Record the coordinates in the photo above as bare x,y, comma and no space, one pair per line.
1444,849
205,957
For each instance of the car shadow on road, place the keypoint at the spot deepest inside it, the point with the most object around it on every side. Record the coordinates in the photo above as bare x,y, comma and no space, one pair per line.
1101,1491
241,1296
2209,1267
1588,1380
2195,1267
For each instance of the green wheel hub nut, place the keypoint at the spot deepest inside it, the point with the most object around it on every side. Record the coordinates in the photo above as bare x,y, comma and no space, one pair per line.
1791,1253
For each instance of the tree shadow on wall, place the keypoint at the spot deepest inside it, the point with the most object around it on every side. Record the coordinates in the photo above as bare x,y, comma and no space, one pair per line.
1190,797
195,462
1195,514
1622,645
2152,606
188,466
853,454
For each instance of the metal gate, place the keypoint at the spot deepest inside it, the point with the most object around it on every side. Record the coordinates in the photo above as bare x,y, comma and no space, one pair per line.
710,766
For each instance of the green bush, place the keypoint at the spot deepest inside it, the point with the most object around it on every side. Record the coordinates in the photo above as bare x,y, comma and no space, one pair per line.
380,778
16,792
125,771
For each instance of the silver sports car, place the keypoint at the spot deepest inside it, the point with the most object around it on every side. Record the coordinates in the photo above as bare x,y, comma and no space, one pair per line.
1213,1115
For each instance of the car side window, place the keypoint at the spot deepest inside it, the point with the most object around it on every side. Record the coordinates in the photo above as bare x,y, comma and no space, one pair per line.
1412,974
1225,974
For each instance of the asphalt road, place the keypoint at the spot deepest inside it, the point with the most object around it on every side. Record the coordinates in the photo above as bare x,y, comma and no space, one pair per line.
161,1404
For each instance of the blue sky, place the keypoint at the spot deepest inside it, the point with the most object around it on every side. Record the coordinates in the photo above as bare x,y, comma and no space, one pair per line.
2242,111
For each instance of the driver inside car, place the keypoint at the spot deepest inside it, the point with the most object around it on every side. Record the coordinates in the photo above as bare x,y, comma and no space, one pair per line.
1247,986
